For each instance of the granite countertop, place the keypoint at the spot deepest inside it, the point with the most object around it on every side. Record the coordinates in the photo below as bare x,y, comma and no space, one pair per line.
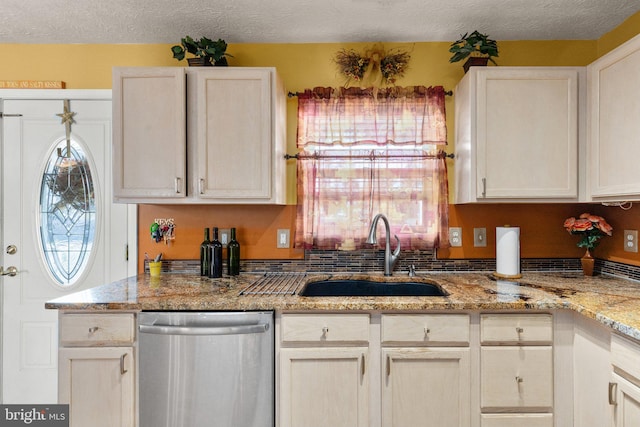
612,301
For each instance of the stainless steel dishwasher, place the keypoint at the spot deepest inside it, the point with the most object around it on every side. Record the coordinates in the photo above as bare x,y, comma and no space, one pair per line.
206,369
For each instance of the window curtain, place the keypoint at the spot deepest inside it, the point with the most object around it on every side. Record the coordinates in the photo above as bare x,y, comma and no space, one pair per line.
369,151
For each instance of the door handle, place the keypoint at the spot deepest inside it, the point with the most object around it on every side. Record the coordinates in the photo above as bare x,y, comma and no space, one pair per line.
203,330
10,271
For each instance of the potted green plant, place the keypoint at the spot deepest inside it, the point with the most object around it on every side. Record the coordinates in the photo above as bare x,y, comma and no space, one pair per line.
477,47
205,51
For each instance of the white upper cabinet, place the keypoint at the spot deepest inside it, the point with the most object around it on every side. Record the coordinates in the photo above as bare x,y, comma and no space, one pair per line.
517,134
224,125
149,139
614,125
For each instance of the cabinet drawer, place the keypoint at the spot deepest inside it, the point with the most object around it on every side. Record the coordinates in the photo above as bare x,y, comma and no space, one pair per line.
516,377
625,355
516,328
97,329
426,328
520,420
329,328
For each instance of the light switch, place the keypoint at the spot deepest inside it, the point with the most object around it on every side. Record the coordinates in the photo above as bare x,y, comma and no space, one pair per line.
283,238
480,237
224,235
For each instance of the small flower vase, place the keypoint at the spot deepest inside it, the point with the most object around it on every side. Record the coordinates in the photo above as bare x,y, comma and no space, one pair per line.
587,263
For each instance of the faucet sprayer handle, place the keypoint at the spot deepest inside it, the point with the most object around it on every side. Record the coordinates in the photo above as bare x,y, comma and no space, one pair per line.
397,251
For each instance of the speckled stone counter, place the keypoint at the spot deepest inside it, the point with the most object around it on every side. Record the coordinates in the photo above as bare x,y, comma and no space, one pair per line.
612,301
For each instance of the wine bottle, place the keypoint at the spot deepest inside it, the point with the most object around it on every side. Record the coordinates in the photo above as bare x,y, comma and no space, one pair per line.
233,255
215,252
205,261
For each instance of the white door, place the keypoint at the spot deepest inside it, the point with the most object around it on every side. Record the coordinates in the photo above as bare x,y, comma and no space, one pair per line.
58,215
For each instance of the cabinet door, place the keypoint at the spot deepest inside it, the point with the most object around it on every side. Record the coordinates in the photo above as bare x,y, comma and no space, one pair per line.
234,133
527,133
426,387
322,387
516,378
149,133
626,404
614,148
99,385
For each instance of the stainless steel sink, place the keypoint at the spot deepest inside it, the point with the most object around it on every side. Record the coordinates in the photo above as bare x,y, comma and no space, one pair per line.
363,287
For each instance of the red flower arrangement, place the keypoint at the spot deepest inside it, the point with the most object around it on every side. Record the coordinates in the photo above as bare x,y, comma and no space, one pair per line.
591,227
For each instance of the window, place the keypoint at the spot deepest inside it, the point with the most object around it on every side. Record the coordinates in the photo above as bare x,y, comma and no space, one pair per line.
371,151
67,212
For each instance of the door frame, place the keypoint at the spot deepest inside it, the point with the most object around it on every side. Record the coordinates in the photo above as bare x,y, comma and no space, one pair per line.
132,211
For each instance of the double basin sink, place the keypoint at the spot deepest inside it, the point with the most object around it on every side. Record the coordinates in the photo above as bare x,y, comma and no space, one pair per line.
361,287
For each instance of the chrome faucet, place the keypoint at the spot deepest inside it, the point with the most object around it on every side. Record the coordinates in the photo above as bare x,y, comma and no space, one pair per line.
390,259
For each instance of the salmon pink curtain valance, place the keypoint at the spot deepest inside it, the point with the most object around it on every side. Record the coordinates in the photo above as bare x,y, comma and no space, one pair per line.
393,116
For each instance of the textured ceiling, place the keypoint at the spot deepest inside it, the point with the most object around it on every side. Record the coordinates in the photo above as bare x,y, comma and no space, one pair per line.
305,21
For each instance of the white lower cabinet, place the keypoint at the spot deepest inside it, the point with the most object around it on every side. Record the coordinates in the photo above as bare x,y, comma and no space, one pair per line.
96,369
624,388
322,387
324,377
426,387
516,368
516,378
334,368
99,385
625,399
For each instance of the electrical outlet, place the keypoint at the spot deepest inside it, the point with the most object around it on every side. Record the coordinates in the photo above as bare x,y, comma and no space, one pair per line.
631,240
480,237
283,238
455,236
224,235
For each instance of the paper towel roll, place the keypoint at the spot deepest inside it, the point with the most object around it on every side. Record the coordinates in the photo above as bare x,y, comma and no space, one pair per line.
508,252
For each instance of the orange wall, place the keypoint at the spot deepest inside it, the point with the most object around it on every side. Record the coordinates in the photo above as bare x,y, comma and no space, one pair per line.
541,231
256,229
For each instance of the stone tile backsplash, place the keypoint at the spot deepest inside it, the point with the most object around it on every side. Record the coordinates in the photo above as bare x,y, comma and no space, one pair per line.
424,261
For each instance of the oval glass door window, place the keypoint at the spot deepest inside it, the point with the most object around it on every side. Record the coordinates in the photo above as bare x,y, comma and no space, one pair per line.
67,213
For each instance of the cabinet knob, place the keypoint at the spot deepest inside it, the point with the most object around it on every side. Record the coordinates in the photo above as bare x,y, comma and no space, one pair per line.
519,330
325,331
93,329
519,379
427,331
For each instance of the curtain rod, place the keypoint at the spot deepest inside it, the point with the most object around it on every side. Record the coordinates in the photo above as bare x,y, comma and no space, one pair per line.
370,156
293,94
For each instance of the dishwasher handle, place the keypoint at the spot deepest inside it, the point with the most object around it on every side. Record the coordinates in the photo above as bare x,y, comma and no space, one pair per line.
204,330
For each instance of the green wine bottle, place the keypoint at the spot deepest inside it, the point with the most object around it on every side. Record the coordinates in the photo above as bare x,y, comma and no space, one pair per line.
233,255
205,261
215,252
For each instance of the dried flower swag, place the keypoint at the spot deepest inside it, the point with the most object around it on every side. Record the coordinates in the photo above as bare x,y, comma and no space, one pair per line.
374,65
